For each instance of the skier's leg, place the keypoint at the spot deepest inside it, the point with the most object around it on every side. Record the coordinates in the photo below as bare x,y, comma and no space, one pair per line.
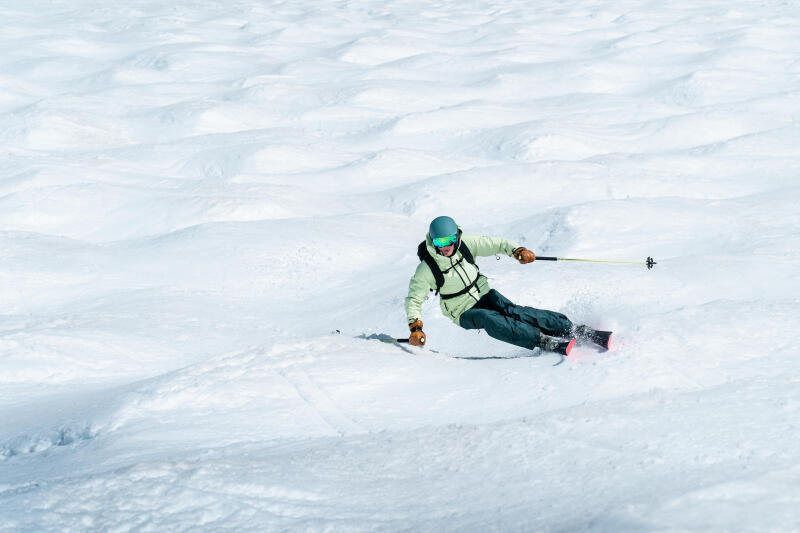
501,327
549,322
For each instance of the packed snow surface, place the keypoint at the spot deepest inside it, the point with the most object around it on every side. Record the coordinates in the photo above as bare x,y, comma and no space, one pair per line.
196,196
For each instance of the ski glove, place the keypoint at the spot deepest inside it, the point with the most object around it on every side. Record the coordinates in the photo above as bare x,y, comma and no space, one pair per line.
523,255
417,337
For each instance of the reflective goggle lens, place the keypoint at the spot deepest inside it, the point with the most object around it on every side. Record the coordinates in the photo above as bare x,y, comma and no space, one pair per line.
441,242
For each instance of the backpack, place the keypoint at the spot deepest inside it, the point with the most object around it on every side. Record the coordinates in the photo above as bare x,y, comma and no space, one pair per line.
425,256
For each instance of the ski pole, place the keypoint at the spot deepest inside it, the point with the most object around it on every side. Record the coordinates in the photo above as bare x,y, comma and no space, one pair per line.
649,262
386,338
380,337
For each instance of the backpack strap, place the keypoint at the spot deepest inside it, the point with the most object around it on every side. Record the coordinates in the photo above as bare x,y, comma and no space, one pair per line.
465,290
425,256
464,250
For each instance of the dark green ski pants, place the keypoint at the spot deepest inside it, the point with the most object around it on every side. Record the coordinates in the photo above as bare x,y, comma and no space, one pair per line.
512,323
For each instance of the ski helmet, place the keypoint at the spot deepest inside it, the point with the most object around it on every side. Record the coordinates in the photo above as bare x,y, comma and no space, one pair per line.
442,227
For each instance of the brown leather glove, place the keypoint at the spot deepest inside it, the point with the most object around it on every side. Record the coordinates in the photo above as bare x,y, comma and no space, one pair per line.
417,337
523,255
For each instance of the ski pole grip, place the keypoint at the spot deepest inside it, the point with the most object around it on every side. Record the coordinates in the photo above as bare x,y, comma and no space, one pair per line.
543,258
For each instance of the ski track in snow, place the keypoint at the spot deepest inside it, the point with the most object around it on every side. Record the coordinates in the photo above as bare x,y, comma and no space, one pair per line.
195,196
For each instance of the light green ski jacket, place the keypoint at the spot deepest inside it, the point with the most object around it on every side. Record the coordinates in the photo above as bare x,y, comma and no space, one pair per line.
458,274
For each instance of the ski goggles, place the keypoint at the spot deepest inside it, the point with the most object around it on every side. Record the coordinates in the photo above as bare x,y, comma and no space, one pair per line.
441,242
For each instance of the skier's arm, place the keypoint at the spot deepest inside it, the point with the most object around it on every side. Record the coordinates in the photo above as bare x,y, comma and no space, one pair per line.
421,283
482,245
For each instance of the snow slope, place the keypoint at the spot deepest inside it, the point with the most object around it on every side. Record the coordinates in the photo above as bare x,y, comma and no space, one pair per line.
195,197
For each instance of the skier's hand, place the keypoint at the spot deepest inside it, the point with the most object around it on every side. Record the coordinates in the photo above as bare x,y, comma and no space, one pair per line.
523,255
417,337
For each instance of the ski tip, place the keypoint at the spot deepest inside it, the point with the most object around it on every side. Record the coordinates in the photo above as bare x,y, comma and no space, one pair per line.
602,339
569,346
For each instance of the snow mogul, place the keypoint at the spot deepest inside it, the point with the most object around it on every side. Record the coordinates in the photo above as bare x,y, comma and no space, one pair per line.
447,266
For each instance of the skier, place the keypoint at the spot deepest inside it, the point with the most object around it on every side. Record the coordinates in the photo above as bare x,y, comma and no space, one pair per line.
447,265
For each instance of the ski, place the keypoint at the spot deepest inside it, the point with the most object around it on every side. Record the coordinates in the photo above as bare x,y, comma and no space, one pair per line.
602,339
586,335
565,347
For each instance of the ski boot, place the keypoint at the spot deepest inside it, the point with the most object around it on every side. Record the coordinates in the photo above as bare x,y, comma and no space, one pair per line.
554,344
585,334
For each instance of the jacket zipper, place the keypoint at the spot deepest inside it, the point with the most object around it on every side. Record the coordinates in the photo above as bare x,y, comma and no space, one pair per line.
476,279
455,267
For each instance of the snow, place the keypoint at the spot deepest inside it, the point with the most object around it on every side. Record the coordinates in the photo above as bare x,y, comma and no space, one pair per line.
196,196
